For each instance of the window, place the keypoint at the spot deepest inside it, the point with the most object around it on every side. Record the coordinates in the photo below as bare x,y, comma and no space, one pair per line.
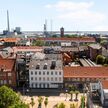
51,78
1,81
5,82
39,78
35,72
31,72
43,73
59,73
51,73
47,78
39,72
55,73
10,81
45,67
56,79
43,78
36,85
35,78
59,78
32,85
47,73
37,66
31,78
9,74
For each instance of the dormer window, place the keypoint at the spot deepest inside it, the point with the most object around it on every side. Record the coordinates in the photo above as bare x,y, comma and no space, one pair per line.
45,66
38,66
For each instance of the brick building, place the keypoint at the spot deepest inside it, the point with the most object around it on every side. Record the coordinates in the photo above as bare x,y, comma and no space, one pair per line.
7,72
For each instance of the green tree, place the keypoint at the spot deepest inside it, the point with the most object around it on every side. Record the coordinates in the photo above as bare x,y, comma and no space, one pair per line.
100,59
46,101
76,93
32,102
38,43
71,93
20,105
71,88
72,105
61,105
8,97
82,102
40,100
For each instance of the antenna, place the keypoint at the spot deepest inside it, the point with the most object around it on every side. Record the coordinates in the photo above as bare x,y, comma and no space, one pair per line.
8,26
51,26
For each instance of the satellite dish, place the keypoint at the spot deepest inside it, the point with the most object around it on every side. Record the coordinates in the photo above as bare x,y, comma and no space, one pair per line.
5,54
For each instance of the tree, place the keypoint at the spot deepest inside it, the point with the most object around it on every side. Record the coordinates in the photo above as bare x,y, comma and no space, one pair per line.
62,105
40,99
76,93
8,97
72,105
38,43
32,102
82,102
71,93
20,105
100,59
71,88
46,101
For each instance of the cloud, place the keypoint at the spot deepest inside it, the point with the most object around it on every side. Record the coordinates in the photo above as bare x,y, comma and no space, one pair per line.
80,13
83,16
69,5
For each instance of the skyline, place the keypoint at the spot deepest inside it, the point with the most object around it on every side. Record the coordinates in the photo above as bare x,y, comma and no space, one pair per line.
73,15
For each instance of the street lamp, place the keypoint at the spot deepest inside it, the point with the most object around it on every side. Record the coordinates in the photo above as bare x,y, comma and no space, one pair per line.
66,95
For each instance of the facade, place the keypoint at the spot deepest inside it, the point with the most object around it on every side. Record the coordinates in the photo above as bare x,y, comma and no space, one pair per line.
23,56
7,72
63,40
45,71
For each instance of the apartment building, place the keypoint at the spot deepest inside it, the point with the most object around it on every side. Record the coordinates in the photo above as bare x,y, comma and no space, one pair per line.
45,71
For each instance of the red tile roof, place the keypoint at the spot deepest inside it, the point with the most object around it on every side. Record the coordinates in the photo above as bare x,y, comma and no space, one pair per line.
69,39
7,64
85,72
10,39
27,48
105,84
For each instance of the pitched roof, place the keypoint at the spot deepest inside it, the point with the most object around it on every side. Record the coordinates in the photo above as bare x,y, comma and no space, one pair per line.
10,39
7,64
85,72
69,39
27,48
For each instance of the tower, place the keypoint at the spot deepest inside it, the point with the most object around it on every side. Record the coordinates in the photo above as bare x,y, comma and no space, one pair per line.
62,32
8,26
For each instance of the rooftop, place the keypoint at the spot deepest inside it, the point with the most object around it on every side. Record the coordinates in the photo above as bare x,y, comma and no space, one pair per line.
70,39
95,46
85,72
7,64
104,84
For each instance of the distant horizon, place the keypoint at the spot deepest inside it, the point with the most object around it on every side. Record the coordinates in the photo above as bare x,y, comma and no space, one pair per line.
73,15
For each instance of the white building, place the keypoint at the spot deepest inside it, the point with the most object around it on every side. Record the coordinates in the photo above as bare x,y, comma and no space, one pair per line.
45,71
104,92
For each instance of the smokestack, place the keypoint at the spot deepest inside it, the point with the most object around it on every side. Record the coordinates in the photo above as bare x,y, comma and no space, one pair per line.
8,21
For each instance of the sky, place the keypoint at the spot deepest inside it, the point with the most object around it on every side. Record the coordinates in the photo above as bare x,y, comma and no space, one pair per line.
73,15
